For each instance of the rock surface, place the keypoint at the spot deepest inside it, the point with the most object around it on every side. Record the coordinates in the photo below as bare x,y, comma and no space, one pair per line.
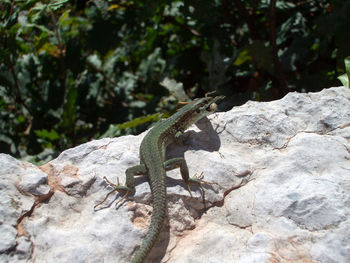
282,170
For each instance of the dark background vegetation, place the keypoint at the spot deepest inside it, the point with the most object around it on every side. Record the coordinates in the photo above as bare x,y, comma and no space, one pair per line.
71,71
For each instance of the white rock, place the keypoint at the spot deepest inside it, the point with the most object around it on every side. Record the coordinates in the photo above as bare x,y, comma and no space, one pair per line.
283,193
21,185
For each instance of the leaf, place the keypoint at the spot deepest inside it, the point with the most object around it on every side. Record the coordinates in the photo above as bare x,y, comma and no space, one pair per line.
175,88
112,7
173,9
37,11
95,61
41,158
293,26
57,4
154,63
51,135
63,17
242,57
346,77
40,8
42,28
49,48
115,128
21,119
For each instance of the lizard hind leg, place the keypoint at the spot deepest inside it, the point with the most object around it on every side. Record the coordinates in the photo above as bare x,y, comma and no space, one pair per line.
129,186
117,187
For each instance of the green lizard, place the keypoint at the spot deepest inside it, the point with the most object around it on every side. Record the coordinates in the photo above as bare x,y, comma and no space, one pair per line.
154,166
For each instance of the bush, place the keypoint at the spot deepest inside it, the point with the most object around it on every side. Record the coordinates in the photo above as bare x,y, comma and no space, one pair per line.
76,70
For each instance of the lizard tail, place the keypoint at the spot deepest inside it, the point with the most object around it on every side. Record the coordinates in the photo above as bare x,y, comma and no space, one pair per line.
157,219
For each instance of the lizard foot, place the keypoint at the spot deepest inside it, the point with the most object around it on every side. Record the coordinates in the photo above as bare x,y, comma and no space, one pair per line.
198,180
117,187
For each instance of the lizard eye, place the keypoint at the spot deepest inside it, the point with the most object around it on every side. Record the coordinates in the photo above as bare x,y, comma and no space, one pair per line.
212,107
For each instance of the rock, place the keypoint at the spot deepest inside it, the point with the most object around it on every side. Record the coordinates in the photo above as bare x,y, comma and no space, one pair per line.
22,186
282,170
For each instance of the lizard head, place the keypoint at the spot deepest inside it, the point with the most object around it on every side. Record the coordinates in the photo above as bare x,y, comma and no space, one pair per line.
197,109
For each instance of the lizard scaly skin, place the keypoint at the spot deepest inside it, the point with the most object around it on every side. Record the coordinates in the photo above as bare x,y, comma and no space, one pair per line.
154,166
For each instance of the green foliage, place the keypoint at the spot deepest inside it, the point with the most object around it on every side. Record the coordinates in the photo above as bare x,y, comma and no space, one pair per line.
115,130
345,78
71,71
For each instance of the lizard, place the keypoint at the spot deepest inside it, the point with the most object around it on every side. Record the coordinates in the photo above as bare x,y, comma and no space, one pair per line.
154,166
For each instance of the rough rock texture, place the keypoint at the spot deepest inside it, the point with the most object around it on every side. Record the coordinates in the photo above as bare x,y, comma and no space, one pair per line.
283,192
